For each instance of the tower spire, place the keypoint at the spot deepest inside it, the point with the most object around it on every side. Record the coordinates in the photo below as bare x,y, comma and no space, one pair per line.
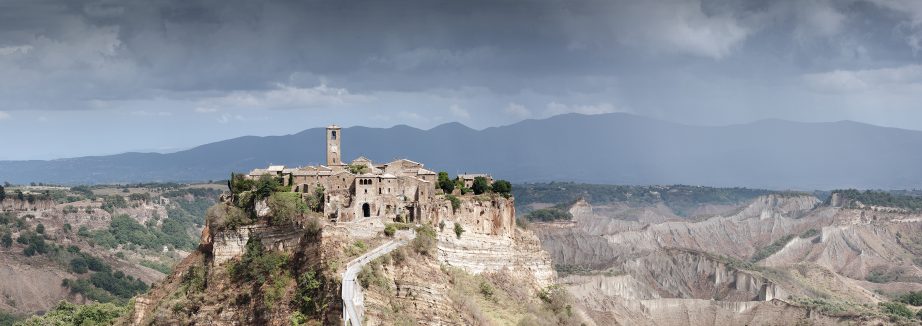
334,151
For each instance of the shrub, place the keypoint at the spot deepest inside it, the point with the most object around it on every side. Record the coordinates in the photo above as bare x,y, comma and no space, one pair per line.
358,168
7,239
399,255
66,313
258,264
548,214
480,186
285,207
310,298
486,289
425,241
112,202
389,230
455,202
78,265
912,298
895,309
223,216
458,230
771,249
315,201
40,228
809,233
502,187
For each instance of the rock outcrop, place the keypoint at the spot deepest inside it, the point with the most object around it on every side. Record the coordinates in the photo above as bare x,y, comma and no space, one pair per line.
624,271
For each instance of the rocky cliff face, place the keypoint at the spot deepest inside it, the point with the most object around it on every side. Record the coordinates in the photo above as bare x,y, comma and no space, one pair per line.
491,242
206,287
13,204
624,271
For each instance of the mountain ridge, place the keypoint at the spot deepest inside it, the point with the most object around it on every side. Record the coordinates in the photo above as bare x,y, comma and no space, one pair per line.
606,148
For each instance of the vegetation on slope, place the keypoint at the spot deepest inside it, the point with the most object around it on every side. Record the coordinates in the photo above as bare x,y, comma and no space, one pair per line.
878,198
681,199
548,215
71,314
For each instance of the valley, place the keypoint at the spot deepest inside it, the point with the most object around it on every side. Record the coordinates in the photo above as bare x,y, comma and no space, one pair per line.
762,258
93,244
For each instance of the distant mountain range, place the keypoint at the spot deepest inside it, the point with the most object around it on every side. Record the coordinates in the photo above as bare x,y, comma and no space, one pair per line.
609,148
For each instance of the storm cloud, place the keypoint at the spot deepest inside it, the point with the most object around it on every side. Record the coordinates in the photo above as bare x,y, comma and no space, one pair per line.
162,75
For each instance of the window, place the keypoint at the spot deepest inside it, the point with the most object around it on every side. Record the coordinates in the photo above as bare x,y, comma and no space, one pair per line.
333,135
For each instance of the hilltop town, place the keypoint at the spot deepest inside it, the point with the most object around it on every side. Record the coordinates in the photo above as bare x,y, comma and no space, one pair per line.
402,189
357,243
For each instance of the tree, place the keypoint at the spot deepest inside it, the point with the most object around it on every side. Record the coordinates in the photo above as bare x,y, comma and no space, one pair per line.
2,193
285,206
502,187
445,183
78,265
266,185
40,228
358,168
480,186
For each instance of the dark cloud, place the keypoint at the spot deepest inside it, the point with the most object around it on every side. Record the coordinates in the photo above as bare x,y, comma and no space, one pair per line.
483,62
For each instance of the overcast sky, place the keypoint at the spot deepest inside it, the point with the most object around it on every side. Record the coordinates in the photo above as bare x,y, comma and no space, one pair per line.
98,77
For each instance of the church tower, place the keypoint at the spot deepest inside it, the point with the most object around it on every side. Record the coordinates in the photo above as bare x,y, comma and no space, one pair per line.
334,134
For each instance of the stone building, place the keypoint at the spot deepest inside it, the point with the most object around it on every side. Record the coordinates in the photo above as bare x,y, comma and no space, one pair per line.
400,190
468,178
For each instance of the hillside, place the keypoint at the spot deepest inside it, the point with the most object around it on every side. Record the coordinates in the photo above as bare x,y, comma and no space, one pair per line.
93,244
610,148
777,258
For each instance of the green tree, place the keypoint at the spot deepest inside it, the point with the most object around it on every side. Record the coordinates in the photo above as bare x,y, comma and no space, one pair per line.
480,186
445,183
358,168
285,207
40,228
78,265
266,185
502,187
239,183
2,193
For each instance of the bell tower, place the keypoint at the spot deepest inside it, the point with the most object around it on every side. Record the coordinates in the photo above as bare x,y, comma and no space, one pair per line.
334,151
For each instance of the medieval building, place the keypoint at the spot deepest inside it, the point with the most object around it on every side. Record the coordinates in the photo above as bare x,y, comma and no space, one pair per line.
400,190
